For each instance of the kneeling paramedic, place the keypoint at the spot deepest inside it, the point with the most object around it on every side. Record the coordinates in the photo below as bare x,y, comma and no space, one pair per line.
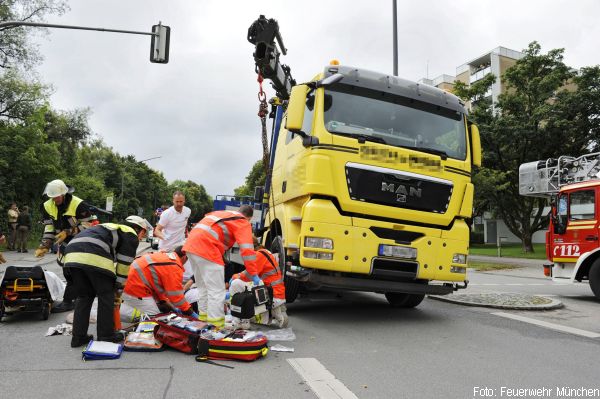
155,277
205,247
98,259
270,274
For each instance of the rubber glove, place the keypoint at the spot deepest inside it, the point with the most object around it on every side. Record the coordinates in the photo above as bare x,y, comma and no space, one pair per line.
41,251
177,310
227,296
2,260
256,280
195,315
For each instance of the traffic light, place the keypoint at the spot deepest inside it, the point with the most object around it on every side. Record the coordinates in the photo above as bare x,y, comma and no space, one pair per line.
159,47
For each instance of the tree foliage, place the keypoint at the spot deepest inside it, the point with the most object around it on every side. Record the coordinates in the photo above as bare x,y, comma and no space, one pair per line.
255,178
547,110
15,48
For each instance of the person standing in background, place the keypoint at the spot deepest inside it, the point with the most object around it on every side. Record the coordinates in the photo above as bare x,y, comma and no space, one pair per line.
23,229
171,227
13,214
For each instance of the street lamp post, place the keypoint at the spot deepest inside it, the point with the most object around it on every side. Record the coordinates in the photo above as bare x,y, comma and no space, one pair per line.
123,174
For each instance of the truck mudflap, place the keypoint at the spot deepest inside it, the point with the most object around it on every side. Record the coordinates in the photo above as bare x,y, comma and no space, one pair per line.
370,285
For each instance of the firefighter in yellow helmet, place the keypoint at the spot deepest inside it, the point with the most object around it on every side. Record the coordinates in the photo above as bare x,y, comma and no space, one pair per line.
63,215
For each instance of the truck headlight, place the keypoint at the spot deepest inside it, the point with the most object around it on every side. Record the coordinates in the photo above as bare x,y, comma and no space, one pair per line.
458,269
318,255
397,251
318,242
459,258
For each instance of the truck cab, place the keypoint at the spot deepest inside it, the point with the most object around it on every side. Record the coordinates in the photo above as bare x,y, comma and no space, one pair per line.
371,186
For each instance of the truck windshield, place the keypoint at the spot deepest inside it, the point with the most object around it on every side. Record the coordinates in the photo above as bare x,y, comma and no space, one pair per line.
398,121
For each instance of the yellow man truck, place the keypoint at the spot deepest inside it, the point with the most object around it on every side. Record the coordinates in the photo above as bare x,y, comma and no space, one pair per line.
370,180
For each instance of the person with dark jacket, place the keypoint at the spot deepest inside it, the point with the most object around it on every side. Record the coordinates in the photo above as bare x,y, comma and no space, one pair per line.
23,229
98,259
63,215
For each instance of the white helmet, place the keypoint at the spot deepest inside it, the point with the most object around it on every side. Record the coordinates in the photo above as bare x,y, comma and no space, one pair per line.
139,221
56,188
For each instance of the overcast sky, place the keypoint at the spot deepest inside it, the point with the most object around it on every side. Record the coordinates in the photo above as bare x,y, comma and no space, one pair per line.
199,111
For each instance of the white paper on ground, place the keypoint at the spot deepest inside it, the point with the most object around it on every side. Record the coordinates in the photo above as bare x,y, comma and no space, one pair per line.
281,348
283,334
64,329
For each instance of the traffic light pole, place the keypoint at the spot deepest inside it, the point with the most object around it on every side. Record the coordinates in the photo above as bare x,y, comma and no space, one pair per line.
159,46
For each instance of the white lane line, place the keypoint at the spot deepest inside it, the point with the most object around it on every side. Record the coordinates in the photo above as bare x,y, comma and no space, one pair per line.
552,326
320,380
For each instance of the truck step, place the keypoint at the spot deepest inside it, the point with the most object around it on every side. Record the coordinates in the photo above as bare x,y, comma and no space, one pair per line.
296,218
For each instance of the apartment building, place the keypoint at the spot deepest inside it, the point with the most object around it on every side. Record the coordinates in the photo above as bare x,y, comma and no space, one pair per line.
496,61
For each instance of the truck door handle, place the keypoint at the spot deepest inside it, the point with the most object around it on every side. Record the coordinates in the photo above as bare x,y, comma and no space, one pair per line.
591,238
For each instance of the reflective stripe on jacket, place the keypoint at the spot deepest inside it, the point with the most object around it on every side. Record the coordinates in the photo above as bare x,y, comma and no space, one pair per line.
158,275
217,232
109,247
268,271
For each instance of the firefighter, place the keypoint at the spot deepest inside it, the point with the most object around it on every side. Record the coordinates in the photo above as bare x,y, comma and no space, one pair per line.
98,259
63,215
268,271
207,243
156,277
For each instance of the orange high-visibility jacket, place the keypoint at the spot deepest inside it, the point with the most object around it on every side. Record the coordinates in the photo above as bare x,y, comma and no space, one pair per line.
159,275
217,232
268,271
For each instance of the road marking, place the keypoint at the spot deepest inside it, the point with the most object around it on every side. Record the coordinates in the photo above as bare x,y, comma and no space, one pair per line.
552,326
320,380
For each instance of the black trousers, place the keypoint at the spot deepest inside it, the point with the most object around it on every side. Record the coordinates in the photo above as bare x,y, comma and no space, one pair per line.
69,295
89,283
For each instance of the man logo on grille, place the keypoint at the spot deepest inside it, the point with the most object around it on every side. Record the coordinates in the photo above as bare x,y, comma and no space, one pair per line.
402,192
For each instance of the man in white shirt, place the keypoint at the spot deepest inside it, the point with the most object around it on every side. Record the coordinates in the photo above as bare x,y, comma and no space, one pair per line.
172,224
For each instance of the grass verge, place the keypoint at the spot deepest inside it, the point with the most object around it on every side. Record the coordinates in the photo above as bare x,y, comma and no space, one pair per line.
486,266
508,250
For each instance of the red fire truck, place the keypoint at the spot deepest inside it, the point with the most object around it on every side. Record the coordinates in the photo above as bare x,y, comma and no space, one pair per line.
572,240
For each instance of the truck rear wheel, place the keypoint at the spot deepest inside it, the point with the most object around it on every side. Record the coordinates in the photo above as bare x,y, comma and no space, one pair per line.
292,285
594,276
402,300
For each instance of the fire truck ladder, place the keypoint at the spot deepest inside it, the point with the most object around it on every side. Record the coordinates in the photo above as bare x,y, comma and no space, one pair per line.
544,178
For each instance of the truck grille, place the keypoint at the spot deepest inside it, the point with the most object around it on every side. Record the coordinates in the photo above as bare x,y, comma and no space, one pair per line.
394,268
398,189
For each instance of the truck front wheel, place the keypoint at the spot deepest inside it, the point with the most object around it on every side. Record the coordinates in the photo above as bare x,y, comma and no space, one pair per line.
402,300
594,277
291,284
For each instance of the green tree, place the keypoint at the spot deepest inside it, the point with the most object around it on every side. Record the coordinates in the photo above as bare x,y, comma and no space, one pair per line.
255,178
541,115
15,48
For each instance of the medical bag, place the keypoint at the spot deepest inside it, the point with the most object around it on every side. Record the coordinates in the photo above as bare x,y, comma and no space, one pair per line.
246,304
238,345
180,332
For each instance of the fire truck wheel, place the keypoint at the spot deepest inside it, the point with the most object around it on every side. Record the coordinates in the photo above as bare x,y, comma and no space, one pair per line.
594,276
292,286
402,300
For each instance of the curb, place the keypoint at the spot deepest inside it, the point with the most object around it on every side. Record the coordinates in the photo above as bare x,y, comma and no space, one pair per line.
502,300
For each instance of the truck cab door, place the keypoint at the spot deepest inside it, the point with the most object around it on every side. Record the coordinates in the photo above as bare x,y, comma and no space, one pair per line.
581,233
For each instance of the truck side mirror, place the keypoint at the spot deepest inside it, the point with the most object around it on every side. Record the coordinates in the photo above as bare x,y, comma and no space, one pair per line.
475,146
295,110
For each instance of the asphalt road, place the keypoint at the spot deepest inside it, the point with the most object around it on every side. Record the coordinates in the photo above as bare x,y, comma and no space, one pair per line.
369,350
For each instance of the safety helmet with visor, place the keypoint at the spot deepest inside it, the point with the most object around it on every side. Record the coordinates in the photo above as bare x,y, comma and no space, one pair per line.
139,221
